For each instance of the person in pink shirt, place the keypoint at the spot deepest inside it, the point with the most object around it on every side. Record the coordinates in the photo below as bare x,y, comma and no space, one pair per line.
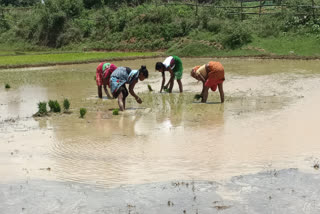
103,73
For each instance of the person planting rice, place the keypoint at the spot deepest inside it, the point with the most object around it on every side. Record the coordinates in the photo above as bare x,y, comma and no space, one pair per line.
104,70
122,76
173,64
212,76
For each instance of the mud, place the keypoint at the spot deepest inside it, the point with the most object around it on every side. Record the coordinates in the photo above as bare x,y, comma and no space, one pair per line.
268,122
284,191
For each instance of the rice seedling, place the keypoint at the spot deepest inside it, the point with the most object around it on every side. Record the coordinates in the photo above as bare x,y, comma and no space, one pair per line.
115,111
149,87
197,97
167,90
66,105
83,112
54,106
42,109
7,86
51,105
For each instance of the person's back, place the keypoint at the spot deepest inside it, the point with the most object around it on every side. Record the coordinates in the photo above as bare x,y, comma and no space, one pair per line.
121,73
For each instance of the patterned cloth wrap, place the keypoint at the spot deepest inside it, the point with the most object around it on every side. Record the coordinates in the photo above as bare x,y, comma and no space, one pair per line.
213,76
107,73
120,77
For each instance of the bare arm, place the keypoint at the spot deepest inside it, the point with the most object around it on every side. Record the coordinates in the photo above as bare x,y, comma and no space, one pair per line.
131,91
201,78
171,77
106,91
163,81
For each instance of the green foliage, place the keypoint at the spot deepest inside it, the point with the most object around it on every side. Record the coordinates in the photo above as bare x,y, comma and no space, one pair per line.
83,112
19,3
7,86
236,35
192,48
115,111
42,108
66,104
54,106
149,87
144,25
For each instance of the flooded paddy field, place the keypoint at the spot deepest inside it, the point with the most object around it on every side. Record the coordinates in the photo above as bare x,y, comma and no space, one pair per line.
256,153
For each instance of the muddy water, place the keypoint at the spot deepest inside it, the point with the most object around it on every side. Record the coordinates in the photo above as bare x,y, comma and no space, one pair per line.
268,121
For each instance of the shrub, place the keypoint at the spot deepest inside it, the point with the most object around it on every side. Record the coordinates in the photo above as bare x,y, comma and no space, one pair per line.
83,112
236,36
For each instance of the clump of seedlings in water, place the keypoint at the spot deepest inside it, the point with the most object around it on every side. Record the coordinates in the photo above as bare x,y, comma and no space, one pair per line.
197,97
66,105
42,109
167,90
115,111
316,166
7,86
149,87
83,112
54,106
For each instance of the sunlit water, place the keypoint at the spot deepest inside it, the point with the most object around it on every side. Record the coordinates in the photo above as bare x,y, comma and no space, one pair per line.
268,121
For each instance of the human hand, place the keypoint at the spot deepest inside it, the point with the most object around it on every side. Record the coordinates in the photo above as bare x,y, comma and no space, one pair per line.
138,99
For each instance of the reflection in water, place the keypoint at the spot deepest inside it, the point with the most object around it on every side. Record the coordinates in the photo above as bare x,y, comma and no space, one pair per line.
169,136
21,102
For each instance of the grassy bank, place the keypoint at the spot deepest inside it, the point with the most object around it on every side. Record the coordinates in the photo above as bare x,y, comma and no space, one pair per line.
33,59
32,37
289,46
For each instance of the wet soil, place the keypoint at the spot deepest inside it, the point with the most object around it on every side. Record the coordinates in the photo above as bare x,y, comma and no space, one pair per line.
268,122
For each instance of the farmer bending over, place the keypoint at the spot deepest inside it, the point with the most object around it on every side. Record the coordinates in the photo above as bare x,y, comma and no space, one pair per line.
173,64
122,76
212,76
104,70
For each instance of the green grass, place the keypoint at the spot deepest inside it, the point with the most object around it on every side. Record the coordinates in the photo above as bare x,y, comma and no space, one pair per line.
284,46
34,59
290,45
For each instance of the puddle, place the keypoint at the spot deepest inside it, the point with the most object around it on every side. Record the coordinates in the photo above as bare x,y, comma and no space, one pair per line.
268,121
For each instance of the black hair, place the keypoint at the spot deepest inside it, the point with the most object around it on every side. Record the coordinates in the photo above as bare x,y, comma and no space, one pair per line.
159,65
144,71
